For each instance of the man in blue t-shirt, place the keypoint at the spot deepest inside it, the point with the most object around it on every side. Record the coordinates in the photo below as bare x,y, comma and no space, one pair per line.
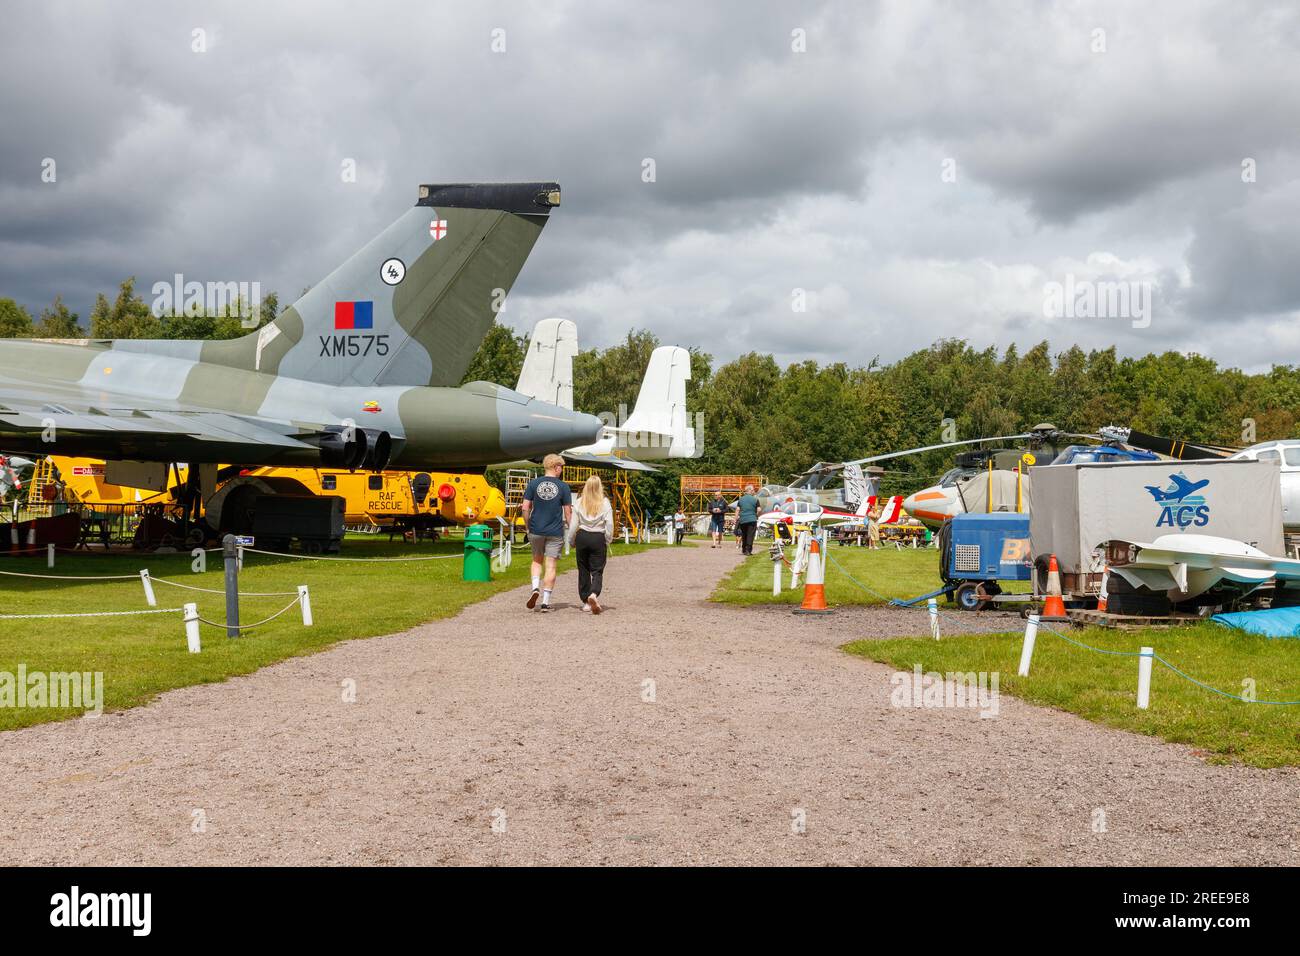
746,508
547,507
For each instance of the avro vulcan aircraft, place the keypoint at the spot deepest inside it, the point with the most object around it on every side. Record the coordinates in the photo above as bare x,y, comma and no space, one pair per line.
361,372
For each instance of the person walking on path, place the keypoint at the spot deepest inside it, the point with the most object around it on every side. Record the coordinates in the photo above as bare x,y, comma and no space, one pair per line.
591,529
547,507
679,527
717,519
747,519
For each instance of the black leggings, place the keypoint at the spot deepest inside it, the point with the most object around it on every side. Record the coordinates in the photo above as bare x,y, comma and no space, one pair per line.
591,552
747,537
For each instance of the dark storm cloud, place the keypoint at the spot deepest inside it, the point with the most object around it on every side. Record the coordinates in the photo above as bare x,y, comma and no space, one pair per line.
774,169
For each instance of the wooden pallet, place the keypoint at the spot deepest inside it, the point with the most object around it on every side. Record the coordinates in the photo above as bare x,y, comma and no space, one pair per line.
1089,617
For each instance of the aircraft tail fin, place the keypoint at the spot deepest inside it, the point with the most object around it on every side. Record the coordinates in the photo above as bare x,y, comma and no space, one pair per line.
858,488
660,421
548,367
412,306
892,511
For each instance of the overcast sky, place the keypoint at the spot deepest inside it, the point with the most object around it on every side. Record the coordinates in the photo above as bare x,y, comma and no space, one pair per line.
921,170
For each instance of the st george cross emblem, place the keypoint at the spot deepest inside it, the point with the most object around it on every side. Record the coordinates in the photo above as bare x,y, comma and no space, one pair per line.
437,229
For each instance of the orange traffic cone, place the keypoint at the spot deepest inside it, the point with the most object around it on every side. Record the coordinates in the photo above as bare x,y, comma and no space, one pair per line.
1054,606
814,588
1103,594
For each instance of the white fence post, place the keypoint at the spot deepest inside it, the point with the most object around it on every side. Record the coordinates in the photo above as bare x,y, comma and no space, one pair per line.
776,578
1144,677
192,627
506,546
933,607
148,588
304,598
1027,650
49,555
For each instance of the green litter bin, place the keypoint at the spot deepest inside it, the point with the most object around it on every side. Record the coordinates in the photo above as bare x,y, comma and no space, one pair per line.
477,565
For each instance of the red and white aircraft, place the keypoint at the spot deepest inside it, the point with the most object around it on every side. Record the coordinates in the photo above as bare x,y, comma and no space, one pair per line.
798,512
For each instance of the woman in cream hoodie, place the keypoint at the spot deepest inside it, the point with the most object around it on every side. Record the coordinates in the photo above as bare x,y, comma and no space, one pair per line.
591,529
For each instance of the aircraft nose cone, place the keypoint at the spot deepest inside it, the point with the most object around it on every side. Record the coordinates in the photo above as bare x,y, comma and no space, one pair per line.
538,428
930,506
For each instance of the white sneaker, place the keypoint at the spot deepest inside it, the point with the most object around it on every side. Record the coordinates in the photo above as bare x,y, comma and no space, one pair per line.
586,608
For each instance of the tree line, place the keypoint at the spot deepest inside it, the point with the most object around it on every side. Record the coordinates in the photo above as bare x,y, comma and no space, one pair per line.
126,316
762,418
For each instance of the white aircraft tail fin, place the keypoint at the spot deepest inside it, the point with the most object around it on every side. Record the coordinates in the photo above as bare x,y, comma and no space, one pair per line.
548,367
859,489
659,425
892,510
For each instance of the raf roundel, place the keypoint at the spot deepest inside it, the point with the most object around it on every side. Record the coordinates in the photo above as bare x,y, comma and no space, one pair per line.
392,271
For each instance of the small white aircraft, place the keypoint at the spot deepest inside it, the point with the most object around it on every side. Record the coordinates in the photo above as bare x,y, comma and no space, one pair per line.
798,512
1185,566
658,427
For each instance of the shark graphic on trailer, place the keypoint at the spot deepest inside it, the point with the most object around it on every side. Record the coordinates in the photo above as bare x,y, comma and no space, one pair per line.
385,339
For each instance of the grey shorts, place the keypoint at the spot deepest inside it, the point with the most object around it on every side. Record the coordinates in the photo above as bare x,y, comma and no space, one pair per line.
549,546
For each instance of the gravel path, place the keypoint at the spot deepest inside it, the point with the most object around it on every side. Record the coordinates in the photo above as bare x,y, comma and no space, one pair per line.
539,722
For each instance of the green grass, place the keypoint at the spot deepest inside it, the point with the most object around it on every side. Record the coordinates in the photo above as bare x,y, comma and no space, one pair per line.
893,573
1103,687
1100,687
142,656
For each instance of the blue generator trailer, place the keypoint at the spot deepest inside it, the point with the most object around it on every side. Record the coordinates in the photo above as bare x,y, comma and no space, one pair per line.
978,553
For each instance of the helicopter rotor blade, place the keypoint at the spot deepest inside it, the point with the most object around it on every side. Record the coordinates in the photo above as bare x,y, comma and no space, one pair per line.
949,444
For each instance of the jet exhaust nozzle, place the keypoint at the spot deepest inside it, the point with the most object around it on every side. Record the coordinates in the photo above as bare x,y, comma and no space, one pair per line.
352,448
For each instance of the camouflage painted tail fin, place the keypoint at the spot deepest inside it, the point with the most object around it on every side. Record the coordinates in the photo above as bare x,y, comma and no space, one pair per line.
413,305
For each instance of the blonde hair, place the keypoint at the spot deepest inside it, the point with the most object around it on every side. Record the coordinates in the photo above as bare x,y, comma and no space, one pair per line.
592,499
552,461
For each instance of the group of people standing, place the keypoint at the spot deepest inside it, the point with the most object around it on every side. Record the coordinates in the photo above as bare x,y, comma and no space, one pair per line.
746,508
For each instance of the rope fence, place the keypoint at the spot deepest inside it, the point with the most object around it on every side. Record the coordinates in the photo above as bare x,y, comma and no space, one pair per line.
72,577
335,557
28,617
1034,625
194,587
248,627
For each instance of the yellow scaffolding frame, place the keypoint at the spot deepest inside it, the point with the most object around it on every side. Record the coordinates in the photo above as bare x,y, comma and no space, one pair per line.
696,491
628,512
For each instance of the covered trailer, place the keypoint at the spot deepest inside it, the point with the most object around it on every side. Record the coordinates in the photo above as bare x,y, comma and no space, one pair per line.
1076,508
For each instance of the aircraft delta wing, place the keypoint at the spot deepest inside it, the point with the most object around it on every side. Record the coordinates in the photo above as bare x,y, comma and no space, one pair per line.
359,372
